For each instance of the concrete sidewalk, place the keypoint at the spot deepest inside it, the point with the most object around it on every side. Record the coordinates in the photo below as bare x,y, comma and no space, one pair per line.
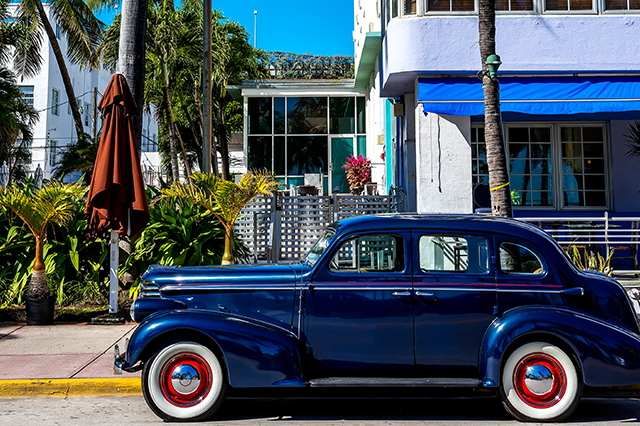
63,360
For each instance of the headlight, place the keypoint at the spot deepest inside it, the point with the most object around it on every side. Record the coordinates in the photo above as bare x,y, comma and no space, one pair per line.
132,310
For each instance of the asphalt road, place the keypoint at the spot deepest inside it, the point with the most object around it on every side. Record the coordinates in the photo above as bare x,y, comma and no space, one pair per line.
132,410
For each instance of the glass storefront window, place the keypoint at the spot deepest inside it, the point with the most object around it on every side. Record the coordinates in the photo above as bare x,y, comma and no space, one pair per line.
307,154
342,112
279,113
307,115
259,152
259,116
361,116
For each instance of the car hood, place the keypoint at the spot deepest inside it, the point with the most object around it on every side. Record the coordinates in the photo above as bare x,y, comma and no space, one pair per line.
172,278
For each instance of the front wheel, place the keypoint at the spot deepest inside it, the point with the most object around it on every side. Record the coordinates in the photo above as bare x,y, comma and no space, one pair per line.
184,381
540,382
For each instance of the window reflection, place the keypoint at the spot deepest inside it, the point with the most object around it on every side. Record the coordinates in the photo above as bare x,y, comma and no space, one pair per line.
307,154
307,115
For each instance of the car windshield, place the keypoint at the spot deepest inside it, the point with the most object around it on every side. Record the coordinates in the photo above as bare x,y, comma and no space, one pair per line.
319,248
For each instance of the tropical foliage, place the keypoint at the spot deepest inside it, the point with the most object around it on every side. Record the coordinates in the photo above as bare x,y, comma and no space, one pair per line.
224,199
292,66
179,233
358,171
38,208
590,260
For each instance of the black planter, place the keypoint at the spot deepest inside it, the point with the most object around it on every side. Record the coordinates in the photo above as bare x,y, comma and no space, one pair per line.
40,311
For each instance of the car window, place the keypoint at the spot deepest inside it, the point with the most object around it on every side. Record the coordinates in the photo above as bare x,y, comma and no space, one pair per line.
370,253
516,259
319,248
448,253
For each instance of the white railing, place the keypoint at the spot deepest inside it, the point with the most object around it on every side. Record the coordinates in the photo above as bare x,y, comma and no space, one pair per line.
601,234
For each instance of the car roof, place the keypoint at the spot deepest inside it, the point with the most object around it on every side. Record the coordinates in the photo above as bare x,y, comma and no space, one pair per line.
445,222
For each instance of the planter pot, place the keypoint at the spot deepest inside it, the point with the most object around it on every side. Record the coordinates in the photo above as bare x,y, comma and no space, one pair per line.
40,311
356,190
372,188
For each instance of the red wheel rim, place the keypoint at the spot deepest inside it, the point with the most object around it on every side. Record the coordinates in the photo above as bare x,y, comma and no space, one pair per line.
539,380
185,379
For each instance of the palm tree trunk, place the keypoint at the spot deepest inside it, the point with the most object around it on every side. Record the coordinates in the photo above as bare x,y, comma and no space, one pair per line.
173,152
131,55
496,156
227,257
224,146
77,119
38,288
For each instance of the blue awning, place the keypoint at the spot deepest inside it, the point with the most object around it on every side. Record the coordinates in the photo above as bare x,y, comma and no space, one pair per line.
532,95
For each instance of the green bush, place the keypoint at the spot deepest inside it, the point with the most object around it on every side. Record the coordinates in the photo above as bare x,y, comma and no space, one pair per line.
179,233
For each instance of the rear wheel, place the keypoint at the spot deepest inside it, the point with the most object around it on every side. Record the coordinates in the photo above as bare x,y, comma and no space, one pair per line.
540,382
184,381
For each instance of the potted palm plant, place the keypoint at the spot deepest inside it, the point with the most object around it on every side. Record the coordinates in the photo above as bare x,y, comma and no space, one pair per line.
54,203
358,173
223,198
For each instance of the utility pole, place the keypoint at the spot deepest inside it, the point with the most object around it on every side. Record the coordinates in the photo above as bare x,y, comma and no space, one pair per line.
206,89
255,28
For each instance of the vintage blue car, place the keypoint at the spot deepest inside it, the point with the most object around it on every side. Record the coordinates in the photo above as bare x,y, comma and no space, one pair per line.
394,300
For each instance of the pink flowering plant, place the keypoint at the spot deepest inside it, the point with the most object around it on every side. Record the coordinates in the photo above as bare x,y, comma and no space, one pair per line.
358,171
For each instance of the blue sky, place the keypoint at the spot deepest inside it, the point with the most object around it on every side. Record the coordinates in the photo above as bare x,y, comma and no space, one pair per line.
319,27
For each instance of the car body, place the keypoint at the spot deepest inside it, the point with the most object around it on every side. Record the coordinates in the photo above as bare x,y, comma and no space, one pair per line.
451,301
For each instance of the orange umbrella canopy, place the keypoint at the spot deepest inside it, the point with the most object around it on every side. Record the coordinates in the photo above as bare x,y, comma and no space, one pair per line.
116,198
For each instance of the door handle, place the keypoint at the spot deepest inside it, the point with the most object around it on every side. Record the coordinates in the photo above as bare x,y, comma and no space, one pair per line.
401,293
427,296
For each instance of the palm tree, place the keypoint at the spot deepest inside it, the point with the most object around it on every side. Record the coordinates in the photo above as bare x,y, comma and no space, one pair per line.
53,203
496,157
83,32
223,198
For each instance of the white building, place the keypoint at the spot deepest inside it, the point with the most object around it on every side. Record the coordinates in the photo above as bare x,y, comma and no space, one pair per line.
55,128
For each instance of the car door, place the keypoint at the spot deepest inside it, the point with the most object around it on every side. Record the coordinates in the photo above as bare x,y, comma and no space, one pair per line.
359,307
455,288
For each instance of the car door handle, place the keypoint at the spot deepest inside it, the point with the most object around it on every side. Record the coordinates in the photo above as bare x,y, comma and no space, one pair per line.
401,293
427,296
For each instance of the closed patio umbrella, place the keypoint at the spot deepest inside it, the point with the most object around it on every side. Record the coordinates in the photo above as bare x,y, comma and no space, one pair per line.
116,198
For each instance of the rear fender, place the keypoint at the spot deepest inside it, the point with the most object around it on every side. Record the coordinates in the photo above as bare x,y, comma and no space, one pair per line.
255,354
608,355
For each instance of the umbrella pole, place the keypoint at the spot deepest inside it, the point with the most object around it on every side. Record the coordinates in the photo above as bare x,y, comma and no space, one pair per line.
113,272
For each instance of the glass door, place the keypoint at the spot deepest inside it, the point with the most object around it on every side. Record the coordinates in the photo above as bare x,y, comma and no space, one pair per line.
341,149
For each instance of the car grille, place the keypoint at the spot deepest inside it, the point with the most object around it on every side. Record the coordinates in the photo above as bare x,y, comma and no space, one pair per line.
149,289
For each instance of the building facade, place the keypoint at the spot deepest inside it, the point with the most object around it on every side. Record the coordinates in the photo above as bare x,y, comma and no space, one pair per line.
570,89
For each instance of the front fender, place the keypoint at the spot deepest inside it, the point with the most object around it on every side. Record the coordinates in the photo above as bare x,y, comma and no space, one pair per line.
256,354
608,355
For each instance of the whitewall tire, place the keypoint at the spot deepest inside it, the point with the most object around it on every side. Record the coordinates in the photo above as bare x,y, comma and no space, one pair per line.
184,381
540,382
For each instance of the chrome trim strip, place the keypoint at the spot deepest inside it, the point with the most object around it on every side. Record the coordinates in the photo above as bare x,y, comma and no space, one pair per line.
226,287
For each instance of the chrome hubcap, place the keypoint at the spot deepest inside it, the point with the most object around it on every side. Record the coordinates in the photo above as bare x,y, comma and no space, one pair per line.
185,379
539,379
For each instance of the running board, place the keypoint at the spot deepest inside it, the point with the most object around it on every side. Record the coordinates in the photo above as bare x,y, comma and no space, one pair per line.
357,382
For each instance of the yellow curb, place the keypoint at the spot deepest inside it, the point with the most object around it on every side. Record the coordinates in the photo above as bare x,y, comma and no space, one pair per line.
63,388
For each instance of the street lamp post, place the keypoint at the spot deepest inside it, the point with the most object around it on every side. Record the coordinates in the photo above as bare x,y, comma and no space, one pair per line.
255,28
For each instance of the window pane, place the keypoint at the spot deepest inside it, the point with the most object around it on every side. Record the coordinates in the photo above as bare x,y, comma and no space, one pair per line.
442,253
571,134
278,115
595,199
572,150
634,4
515,259
394,8
592,134
541,167
307,115
593,150
594,166
439,6
540,134
279,158
615,4
518,134
259,116
519,166
259,152
572,182
362,145
342,112
520,183
380,253
410,7
572,166
581,4
521,5
518,150
594,182
362,114
462,5
307,154
541,150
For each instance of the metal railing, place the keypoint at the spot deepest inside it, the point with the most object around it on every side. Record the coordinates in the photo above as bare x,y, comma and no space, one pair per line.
597,234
